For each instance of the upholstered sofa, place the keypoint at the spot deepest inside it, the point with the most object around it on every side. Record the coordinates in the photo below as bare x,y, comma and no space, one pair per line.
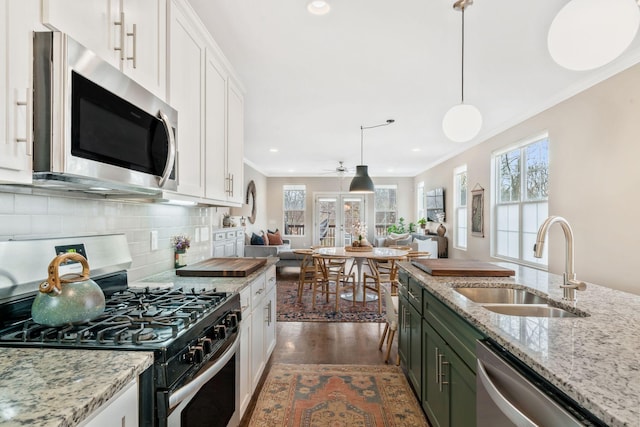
284,252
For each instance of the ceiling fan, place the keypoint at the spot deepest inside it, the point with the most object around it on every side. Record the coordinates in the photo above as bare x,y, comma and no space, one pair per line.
340,170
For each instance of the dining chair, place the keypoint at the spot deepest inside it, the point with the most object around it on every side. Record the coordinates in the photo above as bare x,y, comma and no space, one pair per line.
332,279
391,323
382,270
308,271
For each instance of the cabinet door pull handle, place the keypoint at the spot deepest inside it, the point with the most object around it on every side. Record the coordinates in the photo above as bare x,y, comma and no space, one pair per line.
134,37
440,363
27,104
123,33
437,364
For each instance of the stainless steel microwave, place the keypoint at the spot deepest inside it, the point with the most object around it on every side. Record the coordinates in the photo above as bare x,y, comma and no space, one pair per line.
94,127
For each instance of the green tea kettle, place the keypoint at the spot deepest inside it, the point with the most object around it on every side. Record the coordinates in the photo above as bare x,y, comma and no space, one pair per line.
65,300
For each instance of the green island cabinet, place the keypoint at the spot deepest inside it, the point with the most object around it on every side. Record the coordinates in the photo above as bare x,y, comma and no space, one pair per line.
437,352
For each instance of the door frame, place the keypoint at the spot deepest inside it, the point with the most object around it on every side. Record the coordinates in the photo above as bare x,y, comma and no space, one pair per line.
340,196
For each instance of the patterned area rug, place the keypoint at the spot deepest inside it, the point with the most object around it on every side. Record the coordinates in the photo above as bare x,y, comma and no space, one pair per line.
336,395
289,310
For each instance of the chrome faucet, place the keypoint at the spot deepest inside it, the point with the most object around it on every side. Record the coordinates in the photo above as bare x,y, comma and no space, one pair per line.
570,284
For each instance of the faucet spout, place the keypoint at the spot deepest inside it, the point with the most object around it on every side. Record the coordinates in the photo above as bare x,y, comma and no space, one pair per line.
571,284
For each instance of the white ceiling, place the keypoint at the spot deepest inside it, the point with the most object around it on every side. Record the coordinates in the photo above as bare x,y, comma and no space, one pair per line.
312,81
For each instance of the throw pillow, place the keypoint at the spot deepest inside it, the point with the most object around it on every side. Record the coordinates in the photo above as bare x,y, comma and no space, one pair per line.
256,240
397,236
264,237
275,238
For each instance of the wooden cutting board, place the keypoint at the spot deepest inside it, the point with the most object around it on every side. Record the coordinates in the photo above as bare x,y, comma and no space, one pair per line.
461,268
222,267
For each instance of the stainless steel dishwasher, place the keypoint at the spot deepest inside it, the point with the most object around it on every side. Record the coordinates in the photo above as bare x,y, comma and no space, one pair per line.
509,393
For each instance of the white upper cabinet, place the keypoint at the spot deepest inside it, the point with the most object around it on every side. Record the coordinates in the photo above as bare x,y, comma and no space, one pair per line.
18,20
235,143
215,129
186,87
130,34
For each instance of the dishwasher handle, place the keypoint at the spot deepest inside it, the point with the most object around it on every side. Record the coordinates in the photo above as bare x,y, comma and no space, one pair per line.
505,406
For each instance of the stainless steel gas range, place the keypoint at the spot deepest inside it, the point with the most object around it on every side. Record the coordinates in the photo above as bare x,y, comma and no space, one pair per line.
194,334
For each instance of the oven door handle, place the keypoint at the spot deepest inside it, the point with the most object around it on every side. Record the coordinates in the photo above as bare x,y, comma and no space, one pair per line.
198,382
171,147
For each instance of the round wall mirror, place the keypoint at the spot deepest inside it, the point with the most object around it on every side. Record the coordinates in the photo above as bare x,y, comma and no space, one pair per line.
251,200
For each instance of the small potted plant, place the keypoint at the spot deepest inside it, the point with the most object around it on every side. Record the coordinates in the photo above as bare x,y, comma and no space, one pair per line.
180,245
422,222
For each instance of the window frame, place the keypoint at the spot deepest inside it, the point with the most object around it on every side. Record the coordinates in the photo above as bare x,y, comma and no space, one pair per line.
421,207
285,227
383,232
460,229
521,204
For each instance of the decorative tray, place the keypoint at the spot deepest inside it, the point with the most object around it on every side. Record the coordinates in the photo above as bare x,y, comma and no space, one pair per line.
358,248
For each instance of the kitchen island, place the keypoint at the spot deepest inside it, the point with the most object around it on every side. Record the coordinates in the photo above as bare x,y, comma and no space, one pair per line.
594,359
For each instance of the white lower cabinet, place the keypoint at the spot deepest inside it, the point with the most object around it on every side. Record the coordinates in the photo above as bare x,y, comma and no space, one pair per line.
226,242
258,326
121,410
245,350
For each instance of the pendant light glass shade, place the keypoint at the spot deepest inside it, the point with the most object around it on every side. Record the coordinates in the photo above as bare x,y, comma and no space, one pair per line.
462,123
361,182
587,34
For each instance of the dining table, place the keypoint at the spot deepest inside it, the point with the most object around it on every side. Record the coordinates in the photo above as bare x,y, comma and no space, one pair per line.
358,257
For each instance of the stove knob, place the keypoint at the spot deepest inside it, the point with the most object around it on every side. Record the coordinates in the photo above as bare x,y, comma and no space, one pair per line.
194,355
232,320
238,314
221,332
207,345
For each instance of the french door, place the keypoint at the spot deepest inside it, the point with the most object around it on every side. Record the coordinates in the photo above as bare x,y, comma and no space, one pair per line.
335,216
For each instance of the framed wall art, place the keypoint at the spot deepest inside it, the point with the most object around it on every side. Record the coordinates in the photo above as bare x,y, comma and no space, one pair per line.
477,211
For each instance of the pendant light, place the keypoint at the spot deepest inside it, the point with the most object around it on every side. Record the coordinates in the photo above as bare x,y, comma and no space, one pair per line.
361,182
588,34
463,121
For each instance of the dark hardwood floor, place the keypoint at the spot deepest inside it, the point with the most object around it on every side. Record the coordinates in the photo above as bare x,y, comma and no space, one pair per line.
325,343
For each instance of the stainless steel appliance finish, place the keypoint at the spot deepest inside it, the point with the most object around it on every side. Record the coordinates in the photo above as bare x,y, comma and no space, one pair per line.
508,393
193,334
95,129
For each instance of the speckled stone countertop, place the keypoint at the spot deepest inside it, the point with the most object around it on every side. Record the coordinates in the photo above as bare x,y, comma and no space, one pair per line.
221,284
594,359
60,388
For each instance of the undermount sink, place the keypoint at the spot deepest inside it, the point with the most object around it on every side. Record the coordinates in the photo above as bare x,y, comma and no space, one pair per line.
500,295
530,310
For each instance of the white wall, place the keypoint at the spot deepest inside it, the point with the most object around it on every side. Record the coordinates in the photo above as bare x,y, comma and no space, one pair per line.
262,197
594,180
406,195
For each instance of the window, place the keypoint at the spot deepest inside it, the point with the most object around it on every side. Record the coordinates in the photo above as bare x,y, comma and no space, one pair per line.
460,206
421,212
521,198
294,197
386,208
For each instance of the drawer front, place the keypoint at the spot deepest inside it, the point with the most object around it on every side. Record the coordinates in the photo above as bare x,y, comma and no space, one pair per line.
219,235
231,234
410,289
245,300
270,278
258,290
457,332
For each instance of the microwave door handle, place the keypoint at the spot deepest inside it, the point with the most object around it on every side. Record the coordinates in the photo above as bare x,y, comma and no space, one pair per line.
171,142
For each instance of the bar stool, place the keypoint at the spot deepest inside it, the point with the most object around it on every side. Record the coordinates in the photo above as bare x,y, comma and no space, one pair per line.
308,270
391,324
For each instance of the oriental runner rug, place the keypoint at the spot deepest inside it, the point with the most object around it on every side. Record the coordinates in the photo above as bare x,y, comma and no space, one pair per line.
336,395
290,310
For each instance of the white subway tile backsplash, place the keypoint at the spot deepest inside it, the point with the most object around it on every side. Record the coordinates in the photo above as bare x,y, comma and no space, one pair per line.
28,204
7,203
16,226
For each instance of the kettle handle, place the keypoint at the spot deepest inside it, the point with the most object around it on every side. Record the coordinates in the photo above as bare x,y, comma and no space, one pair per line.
53,282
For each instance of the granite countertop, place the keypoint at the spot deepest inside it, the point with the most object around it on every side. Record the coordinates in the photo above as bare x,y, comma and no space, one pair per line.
60,388
221,284
594,359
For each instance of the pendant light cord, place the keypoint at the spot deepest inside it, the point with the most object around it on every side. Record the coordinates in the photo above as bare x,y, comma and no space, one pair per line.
462,60
362,128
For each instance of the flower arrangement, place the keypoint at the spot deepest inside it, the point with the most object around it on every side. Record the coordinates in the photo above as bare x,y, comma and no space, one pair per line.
360,230
181,242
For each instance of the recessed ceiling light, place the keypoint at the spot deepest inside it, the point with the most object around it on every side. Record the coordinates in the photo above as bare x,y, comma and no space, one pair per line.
415,150
292,170
318,7
273,150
